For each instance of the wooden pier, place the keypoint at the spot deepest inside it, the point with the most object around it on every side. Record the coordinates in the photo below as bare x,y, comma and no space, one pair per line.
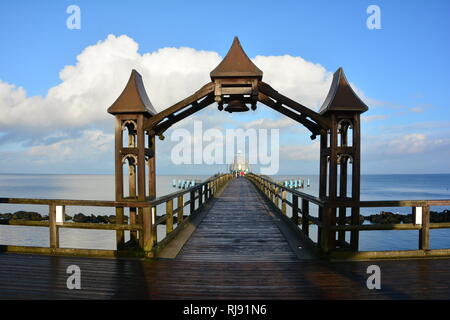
230,237
241,249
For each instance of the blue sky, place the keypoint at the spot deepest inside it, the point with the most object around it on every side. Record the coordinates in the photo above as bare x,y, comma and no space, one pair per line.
402,69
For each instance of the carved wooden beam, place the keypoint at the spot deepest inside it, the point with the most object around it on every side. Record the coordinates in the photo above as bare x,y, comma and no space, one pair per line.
310,125
196,106
204,91
272,93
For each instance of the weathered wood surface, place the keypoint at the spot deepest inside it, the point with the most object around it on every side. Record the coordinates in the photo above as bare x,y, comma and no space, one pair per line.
238,228
44,277
237,252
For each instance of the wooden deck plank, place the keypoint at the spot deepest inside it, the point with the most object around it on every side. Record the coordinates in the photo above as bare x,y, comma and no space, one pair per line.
238,228
44,277
237,252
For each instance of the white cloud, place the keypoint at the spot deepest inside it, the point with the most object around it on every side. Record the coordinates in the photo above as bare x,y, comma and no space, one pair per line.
373,118
301,80
301,152
170,74
71,117
264,123
403,145
90,144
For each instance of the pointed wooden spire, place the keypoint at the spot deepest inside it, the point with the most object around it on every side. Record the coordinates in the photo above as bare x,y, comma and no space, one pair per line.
133,98
341,96
236,64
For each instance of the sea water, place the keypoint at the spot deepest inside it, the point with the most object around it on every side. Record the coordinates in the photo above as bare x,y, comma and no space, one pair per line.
101,187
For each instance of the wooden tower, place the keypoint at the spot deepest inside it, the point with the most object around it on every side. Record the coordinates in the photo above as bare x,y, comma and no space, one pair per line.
340,147
131,109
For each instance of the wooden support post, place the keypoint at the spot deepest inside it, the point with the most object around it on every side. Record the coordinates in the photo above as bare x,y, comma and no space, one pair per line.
210,188
356,180
154,233
326,243
343,188
305,216
192,202
277,197
424,233
53,228
118,160
200,196
333,178
169,215
147,230
283,202
141,193
295,209
180,209
133,220
152,168
120,234
140,221
322,179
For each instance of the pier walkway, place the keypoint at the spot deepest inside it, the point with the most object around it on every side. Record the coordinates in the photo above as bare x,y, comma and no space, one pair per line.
239,250
239,227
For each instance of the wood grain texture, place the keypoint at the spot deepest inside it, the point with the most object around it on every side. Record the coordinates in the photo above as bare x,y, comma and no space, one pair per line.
238,228
44,277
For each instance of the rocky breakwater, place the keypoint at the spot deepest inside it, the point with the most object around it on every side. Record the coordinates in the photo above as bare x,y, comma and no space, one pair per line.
35,216
386,217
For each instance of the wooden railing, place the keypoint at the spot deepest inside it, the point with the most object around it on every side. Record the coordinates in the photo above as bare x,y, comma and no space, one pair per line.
144,239
329,241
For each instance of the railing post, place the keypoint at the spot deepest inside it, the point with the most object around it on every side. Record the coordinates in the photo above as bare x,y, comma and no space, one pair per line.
133,216
200,196
154,226
283,202
169,216
120,234
192,202
424,232
140,221
277,197
180,203
305,216
295,209
327,241
354,235
147,230
54,236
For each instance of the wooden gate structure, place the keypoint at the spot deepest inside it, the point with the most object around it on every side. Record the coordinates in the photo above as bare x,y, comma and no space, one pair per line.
236,86
236,83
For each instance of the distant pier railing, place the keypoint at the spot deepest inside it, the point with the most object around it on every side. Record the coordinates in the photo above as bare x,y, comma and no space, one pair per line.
330,240
144,240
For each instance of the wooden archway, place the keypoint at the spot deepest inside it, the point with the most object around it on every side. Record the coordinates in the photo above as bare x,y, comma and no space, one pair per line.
235,84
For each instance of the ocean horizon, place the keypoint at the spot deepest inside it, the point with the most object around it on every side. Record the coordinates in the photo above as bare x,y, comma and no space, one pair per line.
101,187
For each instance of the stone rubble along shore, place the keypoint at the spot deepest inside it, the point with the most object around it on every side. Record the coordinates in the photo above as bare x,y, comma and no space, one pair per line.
79,217
384,217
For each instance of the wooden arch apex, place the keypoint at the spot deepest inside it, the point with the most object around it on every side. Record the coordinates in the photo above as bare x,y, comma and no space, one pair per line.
235,75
